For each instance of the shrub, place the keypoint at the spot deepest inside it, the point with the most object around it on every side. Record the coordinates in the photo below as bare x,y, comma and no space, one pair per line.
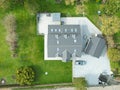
25,75
80,83
114,54
110,41
110,25
111,7
80,9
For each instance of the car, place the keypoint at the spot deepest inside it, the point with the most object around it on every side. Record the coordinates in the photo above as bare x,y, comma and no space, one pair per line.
80,62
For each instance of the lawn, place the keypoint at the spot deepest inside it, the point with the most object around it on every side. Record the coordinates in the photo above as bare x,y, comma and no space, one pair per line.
31,49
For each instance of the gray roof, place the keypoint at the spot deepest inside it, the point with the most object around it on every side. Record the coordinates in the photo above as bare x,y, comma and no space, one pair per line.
63,38
95,46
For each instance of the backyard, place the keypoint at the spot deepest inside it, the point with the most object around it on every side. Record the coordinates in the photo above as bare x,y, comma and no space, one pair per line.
30,51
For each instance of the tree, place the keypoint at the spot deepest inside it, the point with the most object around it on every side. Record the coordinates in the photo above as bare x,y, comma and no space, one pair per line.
111,7
110,25
70,2
4,4
80,9
114,54
25,75
110,41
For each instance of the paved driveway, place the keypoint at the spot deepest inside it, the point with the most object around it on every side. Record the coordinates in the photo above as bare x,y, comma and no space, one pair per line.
92,69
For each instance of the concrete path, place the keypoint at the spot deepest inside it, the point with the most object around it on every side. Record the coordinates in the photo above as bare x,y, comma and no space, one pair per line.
113,87
5,89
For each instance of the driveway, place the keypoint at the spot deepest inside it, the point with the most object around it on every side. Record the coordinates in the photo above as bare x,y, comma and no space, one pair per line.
92,69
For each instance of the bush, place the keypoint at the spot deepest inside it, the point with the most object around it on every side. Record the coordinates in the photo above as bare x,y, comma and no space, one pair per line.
110,41
25,75
111,7
110,25
80,83
114,54
70,2
80,9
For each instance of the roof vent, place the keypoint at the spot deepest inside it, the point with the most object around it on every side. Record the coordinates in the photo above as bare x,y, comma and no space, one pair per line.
72,30
65,30
73,36
75,40
75,29
51,30
58,49
57,42
55,30
65,36
75,50
59,30
96,35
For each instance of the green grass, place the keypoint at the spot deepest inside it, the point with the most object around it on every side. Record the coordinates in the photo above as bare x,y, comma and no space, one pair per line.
31,48
92,8
117,38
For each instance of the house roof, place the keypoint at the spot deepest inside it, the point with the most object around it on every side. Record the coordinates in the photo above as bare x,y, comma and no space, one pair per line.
64,38
95,46
66,56
72,35
56,16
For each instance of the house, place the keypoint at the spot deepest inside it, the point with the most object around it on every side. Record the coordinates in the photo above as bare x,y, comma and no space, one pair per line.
74,38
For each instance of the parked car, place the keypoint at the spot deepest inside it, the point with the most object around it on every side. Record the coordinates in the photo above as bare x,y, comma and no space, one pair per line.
80,62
